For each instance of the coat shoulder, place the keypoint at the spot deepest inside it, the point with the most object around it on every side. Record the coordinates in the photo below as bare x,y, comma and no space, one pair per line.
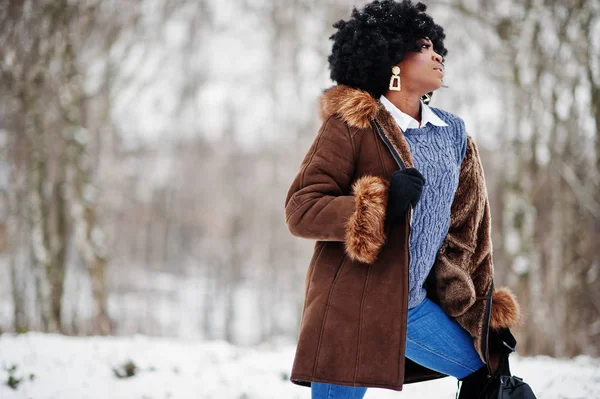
334,122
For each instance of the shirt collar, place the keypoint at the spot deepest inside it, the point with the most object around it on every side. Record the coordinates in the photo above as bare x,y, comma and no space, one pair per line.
405,121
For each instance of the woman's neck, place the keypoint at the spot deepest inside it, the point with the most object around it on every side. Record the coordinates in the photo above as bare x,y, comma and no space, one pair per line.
409,104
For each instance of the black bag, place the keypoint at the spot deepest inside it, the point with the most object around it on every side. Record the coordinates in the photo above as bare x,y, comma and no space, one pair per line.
503,385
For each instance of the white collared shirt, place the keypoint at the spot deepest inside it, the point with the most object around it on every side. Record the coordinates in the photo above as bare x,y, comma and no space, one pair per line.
405,121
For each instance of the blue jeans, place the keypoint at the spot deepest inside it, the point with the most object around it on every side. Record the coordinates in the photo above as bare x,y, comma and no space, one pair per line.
433,340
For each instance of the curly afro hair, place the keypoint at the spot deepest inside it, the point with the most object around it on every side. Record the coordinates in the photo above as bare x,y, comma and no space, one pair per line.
376,38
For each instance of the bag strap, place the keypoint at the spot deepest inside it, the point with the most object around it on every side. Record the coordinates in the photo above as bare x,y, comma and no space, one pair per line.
389,145
396,156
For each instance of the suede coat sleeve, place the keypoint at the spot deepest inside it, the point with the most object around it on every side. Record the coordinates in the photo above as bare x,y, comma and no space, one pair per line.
326,203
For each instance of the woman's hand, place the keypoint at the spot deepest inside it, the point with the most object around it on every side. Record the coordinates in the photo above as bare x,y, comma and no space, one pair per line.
406,187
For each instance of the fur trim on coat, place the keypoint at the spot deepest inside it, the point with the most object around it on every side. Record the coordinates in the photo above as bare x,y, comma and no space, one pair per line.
364,229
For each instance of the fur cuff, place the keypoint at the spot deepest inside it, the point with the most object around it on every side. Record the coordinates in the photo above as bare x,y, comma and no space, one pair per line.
506,312
365,229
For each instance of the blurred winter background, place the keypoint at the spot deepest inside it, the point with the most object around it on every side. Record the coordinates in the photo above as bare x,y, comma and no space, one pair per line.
146,150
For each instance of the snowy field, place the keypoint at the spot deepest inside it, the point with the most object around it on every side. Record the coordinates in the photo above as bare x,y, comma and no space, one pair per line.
58,367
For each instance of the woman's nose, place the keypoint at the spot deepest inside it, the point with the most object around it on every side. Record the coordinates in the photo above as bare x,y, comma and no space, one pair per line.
437,57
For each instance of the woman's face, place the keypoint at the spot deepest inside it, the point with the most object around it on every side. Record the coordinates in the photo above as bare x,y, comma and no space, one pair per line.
422,72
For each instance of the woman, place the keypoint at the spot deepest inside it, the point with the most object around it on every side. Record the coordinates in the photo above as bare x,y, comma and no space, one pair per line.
399,288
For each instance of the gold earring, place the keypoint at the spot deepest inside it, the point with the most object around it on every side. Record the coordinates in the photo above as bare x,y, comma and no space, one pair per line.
395,80
426,98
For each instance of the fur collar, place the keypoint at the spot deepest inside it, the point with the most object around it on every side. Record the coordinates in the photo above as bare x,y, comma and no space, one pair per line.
355,107
358,109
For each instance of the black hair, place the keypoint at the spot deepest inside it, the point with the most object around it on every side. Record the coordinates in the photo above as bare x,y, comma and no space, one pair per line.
376,38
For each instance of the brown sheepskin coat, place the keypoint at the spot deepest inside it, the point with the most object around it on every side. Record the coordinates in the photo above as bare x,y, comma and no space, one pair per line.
353,327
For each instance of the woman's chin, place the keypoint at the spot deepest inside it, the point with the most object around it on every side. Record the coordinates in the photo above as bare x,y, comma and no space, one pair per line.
433,88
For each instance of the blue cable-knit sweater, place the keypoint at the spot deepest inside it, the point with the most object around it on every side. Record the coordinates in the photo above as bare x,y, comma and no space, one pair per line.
437,153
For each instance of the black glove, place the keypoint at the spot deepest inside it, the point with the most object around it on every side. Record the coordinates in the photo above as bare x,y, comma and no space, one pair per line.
406,187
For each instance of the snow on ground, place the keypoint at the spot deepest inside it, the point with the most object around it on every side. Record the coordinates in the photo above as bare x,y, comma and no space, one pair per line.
82,367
